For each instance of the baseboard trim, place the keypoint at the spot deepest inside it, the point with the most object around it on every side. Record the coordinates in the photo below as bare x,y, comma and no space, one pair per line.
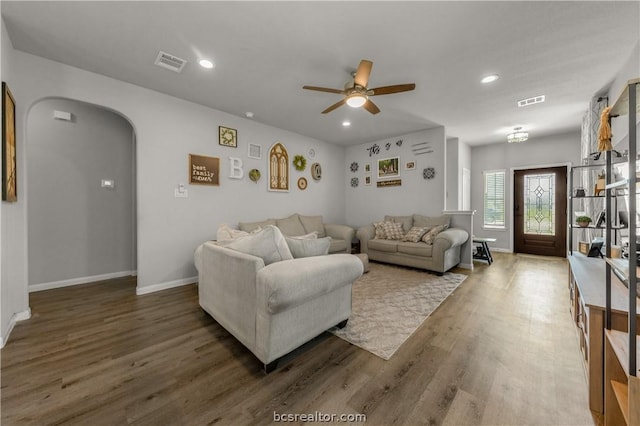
81,280
500,250
165,286
18,316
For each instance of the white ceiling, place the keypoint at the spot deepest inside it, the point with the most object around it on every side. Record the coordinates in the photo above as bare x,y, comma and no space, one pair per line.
266,51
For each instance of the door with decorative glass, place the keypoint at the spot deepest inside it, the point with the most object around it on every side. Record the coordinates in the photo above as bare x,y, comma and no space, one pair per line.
540,211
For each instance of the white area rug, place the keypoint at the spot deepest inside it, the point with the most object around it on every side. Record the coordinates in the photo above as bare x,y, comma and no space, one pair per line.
390,303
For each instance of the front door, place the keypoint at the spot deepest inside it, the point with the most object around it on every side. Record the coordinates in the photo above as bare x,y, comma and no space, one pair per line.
540,211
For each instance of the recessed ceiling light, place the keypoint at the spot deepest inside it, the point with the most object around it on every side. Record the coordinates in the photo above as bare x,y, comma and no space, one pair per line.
490,78
346,123
205,63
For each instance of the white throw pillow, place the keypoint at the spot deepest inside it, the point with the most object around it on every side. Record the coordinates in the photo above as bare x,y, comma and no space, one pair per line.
225,234
310,236
268,244
308,247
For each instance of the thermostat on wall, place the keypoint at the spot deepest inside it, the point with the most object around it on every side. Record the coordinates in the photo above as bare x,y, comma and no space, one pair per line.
108,183
62,115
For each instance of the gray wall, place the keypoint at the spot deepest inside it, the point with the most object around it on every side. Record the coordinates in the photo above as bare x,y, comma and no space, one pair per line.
535,152
454,174
620,125
77,229
366,204
167,130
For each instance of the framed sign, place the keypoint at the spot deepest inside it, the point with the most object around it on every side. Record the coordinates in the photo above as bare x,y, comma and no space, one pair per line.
204,170
9,174
227,136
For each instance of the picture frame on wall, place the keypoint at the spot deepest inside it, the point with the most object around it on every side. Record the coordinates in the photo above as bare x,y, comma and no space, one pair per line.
9,161
410,165
227,136
254,151
204,170
389,168
367,167
367,180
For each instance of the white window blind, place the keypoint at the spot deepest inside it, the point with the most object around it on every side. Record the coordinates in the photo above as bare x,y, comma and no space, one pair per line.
494,199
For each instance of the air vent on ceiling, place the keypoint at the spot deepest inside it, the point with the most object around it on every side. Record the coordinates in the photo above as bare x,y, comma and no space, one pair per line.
170,62
531,101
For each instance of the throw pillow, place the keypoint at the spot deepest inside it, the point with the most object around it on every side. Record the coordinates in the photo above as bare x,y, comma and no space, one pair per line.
380,235
415,234
225,233
291,225
310,236
308,247
432,233
268,244
393,230
313,223
252,226
406,221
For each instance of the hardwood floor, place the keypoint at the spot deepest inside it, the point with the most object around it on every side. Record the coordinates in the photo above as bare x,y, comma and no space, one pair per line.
501,349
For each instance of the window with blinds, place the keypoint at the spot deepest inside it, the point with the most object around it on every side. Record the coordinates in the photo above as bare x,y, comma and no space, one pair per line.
494,199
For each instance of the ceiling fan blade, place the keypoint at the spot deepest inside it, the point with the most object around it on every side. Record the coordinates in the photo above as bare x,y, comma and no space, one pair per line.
334,106
371,107
386,90
363,72
324,89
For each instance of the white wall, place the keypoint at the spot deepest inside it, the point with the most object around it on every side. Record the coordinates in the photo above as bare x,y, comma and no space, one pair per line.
454,175
78,230
167,130
366,204
13,291
620,125
464,162
557,149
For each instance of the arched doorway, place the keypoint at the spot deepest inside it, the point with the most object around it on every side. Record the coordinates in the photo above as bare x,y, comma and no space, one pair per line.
81,194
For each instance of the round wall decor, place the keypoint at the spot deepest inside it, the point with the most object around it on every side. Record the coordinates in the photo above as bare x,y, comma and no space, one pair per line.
354,167
354,182
302,183
254,175
429,173
299,162
316,171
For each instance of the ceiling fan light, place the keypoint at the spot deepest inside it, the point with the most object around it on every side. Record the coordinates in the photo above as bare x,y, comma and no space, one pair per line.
517,136
356,100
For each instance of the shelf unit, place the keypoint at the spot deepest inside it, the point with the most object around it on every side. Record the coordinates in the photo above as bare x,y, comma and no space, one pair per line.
574,200
622,385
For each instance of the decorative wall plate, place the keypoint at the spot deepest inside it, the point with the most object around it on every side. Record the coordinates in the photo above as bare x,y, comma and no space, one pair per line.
354,182
312,153
316,171
302,183
354,167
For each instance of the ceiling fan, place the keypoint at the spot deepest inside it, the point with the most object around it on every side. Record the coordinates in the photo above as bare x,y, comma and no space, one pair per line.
356,94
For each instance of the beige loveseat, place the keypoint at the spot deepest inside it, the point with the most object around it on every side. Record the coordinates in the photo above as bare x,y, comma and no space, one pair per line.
439,256
270,300
297,224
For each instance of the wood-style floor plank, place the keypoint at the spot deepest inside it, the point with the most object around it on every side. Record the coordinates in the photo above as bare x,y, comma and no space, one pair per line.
502,349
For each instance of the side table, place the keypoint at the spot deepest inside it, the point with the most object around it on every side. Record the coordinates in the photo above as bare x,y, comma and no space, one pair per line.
483,252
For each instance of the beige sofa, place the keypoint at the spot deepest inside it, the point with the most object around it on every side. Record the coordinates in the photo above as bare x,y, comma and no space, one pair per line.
269,300
440,256
296,224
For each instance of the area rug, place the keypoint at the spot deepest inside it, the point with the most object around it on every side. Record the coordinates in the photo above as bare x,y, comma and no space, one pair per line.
390,302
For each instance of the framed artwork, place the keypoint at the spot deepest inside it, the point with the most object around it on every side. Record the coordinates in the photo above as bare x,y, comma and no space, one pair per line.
367,167
227,136
389,168
255,151
278,168
367,180
410,165
9,173
204,170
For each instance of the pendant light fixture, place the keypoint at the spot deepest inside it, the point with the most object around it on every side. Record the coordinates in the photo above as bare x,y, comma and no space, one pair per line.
517,136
